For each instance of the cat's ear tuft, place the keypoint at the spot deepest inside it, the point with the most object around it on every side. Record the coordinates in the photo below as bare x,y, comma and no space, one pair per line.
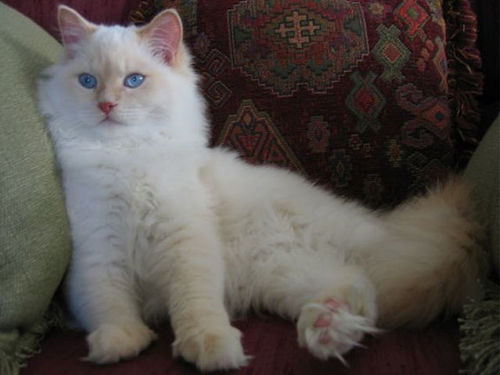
164,35
74,29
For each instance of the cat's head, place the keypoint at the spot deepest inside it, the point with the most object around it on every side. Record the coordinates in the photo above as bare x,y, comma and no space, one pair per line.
115,80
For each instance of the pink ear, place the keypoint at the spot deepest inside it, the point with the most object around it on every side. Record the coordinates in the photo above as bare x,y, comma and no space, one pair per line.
164,34
73,27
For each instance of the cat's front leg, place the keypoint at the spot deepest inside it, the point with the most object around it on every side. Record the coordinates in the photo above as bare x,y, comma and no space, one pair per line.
103,299
111,342
203,333
217,347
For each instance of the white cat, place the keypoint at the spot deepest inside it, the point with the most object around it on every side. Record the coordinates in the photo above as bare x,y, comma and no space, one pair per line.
163,226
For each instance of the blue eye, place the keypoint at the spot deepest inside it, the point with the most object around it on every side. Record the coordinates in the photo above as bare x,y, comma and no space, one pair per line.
134,80
87,80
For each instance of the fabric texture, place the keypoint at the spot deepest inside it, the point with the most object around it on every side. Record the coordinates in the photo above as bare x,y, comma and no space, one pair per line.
354,95
480,334
44,13
272,342
480,326
34,235
483,173
465,79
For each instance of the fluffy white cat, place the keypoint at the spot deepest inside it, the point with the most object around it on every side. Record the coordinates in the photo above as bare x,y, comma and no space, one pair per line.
164,226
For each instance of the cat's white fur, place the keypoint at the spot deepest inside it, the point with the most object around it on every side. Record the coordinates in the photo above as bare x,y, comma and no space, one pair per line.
163,226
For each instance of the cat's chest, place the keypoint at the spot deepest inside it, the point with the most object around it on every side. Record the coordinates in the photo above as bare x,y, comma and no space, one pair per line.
153,180
148,181
130,189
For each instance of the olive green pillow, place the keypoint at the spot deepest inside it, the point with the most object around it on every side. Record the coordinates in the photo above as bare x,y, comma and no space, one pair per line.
483,172
480,325
34,234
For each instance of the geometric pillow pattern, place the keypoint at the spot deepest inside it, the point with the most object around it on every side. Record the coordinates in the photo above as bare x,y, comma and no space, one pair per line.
352,94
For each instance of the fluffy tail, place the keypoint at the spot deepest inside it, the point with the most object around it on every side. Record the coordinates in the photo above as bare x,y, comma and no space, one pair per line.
429,259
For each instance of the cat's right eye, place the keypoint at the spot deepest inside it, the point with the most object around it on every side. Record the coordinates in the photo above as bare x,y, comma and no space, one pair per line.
87,80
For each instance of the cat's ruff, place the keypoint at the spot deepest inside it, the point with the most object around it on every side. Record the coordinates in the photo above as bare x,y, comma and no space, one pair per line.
164,226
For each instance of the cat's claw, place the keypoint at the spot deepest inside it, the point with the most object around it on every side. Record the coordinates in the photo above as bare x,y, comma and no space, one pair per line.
330,329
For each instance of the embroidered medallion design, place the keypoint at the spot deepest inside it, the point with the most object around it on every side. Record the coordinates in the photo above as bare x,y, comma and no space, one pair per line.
431,117
366,101
284,45
425,54
318,133
297,29
414,17
341,168
213,66
254,136
359,134
378,9
394,153
391,52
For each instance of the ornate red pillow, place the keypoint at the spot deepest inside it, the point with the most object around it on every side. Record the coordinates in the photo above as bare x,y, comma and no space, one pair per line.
351,94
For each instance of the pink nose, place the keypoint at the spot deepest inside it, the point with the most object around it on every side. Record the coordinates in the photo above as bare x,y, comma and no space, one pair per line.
106,107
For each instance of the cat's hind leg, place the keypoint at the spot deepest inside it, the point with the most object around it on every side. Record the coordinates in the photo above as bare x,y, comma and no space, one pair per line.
334,305
338,317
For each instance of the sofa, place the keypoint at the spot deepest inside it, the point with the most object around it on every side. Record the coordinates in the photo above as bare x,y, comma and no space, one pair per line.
373,99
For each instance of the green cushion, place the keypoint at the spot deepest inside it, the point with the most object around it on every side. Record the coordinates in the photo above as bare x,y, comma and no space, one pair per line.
482,171
34,232
480,325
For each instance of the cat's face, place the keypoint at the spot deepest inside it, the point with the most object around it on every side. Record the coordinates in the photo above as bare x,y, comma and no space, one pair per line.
119,77
112,81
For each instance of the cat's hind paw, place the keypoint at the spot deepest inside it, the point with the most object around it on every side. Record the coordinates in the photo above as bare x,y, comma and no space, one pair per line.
330,329
110,343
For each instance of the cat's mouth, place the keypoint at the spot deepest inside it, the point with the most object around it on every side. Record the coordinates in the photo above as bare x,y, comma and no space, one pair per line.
109,121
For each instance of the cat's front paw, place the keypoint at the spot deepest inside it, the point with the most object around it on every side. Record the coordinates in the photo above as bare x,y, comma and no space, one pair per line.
110,343
216,348
331,329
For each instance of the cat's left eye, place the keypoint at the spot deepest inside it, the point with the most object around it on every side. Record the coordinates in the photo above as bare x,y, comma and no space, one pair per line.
134,80
87,80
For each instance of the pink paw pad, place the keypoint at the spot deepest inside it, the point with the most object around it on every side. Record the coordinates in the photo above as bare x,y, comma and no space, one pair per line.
325,338
334,305
323,320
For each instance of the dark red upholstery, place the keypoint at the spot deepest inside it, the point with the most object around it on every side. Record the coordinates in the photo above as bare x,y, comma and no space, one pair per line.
354,95
273,344
44,12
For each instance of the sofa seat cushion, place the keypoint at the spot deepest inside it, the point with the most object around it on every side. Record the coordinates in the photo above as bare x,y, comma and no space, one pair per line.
272,342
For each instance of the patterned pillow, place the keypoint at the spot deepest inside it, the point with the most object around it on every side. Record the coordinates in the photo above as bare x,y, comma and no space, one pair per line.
352,94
